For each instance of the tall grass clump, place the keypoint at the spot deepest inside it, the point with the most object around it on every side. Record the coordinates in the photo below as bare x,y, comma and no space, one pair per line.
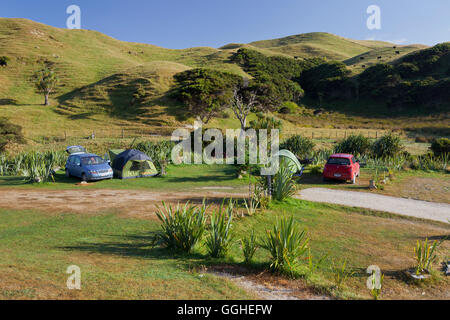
220,236
341,273
286,244
182,227
425,255
283,184
249,246
33,166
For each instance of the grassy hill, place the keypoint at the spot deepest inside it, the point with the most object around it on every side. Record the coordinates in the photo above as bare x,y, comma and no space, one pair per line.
380,55
319,44
99,76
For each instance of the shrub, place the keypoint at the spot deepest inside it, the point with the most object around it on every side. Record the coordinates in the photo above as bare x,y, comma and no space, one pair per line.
220,236
265,122
9,133
283,185
249,246
354,144
286,244
425,255
440,146
387,146
182,227
289,107
4,61
301,146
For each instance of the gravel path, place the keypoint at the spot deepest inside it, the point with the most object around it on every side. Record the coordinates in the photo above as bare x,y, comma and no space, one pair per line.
408,207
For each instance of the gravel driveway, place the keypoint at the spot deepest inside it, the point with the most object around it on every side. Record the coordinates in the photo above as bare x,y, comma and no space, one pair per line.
408,207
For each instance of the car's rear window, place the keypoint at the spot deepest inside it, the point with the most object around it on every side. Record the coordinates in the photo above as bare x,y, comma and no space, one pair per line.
339,161
92,160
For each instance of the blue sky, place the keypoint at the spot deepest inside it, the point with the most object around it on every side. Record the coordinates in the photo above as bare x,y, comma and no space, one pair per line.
188,23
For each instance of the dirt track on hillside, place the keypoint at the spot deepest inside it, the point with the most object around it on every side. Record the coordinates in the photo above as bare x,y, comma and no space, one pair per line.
140,203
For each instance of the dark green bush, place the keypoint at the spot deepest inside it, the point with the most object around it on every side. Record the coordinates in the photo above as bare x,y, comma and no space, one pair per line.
205,92
300,146
288,108
9,133
4,61
440,146
387,146
354,144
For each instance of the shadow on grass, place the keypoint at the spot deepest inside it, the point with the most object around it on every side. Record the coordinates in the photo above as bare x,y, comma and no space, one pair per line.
134,246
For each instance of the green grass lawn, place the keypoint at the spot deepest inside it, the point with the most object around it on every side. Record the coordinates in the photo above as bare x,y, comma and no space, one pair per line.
117,260
178,178
114,255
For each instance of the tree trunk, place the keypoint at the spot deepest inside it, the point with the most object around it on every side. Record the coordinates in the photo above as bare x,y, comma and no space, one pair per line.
243,123
46,100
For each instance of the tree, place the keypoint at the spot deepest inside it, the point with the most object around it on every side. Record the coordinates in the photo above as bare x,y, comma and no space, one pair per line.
46,81
242,103
205,92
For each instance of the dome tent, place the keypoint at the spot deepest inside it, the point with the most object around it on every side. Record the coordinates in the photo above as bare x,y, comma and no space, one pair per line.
132,164
290,160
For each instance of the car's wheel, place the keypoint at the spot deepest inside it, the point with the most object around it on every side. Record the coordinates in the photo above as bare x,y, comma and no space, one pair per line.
354,179
67,173
83,177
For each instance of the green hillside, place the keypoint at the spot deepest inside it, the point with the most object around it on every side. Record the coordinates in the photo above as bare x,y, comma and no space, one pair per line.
107,85
380,55
319,44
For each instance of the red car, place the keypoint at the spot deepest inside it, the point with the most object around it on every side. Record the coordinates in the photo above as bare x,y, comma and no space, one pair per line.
341,166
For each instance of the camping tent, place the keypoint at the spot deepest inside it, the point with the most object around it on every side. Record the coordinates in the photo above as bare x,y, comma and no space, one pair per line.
131,164
288,158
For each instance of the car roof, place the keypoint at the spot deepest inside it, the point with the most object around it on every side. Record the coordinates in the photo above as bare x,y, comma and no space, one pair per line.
86,155
341,155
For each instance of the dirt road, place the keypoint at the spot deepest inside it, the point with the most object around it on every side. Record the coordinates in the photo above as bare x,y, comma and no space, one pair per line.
143,203
140,203
414,208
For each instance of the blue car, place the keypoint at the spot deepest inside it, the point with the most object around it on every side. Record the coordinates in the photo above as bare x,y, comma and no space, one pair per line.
86,166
